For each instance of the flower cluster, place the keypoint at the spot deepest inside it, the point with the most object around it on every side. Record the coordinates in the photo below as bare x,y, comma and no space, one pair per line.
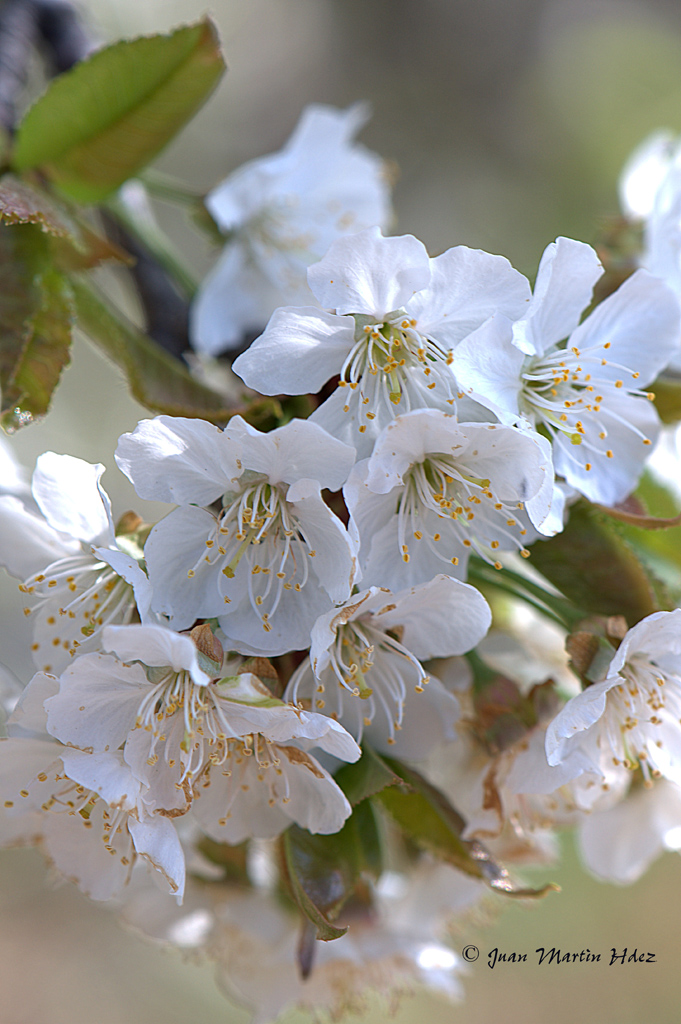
227,702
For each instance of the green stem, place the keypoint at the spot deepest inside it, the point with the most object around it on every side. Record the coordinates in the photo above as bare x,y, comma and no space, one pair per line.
169,189
509,582
158,244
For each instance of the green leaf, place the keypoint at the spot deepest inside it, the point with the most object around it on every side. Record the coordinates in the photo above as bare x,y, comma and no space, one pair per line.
157,381
75,245
47,353
324,872
593,565
35,324
425,814
365,777
23,203
102,121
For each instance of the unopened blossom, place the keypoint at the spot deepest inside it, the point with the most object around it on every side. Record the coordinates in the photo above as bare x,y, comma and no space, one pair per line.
436,491
279,214
375,684
391,318
581,383
270,555
224,747
632,716
77,574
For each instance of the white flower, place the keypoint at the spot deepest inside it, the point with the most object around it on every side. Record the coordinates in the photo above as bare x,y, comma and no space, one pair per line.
632,716
397,316
644,173
619,844
86,809
274,555
650,190
581,383
280,213
374,684
222,746
435,490
77,574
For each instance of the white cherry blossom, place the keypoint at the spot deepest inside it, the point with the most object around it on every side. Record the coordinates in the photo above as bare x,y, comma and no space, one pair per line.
650,190
579,383
618,844
397,316
435,490
273,555
375,684
77,574
224,747
86,809
279,214
632,717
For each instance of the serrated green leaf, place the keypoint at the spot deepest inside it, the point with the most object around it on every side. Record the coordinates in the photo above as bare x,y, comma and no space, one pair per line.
74,243
23,203
157,381
427,817
366,777
106,118
24,258
46,354
593,565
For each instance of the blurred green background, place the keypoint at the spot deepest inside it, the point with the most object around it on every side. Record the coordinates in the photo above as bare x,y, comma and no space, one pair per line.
507,122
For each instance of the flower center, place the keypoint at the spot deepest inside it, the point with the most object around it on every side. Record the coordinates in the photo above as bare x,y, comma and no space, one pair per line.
391,364
75,598
258,528
646,699
566,387
465,508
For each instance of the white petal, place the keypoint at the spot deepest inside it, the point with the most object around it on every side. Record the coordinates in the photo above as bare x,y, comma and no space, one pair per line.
299,351
176,545
105,774
644,172
184,461
76,847
487,367
97,703
467,286
640,325
157,841
619,844
578,714
71,498
567,274
367,273
27,543
440,618
234,298
298,450
154,645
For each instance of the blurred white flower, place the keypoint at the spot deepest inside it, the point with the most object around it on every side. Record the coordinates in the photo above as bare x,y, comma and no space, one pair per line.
281,213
